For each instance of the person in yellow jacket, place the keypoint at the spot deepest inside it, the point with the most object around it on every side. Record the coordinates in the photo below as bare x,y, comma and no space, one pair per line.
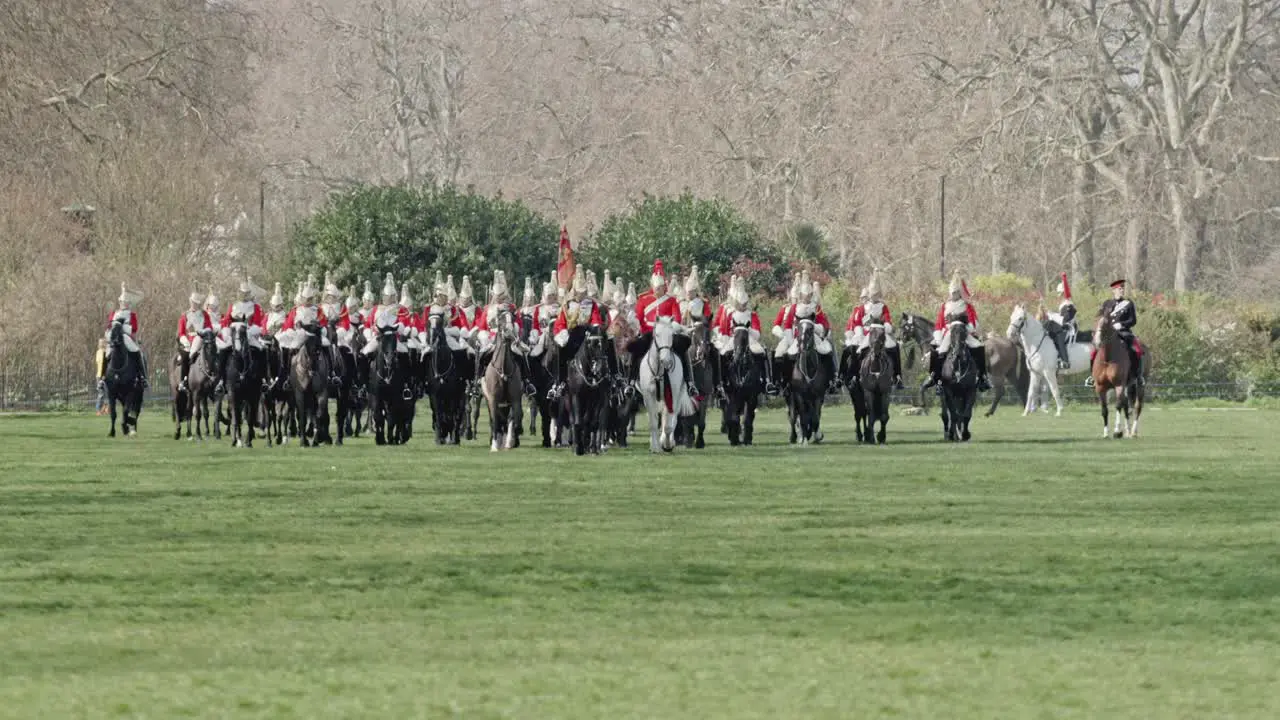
100,370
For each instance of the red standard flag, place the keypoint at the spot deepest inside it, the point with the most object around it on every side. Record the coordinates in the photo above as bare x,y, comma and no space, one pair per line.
565,267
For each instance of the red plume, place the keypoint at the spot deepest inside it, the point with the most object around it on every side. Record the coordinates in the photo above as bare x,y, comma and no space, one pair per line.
657,268
965,286
1066,288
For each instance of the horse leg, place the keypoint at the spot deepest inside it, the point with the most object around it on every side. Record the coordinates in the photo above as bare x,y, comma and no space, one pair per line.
1052,381
997,384
654,425
791,417
1033,391
1102,404
749,422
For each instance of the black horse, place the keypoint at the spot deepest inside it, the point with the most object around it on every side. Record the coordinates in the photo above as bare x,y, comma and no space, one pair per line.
587,391
875,385
959,386
309,378
702,361
390,389
808,387
743,373
123,378
445,372
538,380
242,376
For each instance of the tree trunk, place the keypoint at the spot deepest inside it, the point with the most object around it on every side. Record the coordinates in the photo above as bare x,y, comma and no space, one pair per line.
1084,184
1135,249
1191,227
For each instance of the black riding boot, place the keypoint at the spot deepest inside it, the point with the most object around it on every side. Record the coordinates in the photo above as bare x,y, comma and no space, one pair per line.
895,355
144,376
766,372
562,377
935,369
220,371
980,358
688,375
185,361
833,384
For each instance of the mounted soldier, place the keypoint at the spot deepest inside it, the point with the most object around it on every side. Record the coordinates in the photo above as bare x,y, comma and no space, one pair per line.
467,304
211,307
304,316
787,308
192,322
487,321
652,306
808,307
127,315
275,318
1061,325
956,309
529,300
873,311
697,308
245,311
736,312
569,330
544,317
355,318
1123,315
443,310
392,312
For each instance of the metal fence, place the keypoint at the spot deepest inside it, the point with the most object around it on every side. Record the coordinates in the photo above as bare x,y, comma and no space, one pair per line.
64,390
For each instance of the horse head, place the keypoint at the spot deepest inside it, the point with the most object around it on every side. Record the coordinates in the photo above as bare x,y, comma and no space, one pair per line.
663,336
875,337
700,344
526,325
117,335
741,341
1017,322
591,355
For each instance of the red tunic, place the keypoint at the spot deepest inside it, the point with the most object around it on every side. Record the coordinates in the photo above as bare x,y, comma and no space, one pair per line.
859,317
482,318
133,321
651,308
941,324
562,320
819,317
720,313
454,319
784,314
724,321
321,320
468,322
259,318
190,333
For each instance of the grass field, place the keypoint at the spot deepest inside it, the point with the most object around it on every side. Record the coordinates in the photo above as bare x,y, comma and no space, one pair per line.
1037,572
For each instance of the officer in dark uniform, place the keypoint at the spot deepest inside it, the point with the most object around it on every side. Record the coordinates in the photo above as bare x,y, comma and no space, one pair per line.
1123,315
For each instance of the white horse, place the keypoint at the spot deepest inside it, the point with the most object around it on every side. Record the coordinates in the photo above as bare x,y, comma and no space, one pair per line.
666,397
1042,357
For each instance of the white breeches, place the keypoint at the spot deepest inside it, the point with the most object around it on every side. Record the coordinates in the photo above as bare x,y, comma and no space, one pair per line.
789,347
724,344
295,339
190,345
944,340
859,337
223,338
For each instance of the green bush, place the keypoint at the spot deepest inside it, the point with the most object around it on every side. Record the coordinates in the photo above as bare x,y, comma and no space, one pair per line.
414,231
680,231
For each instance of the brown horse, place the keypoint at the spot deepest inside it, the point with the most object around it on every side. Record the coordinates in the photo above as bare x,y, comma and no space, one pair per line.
1112,373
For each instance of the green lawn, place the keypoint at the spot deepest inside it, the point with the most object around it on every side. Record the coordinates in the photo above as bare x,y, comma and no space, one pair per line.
1036,572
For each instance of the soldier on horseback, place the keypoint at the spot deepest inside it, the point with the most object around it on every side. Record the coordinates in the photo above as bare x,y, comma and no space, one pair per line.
873,311
210,308
245,311
392,312
697,308
487,321
1123,315
579,313
127,316
808,307
192,322
652,305
1061,325
450,319
275,318
305,316
956,309
736,312
467,304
